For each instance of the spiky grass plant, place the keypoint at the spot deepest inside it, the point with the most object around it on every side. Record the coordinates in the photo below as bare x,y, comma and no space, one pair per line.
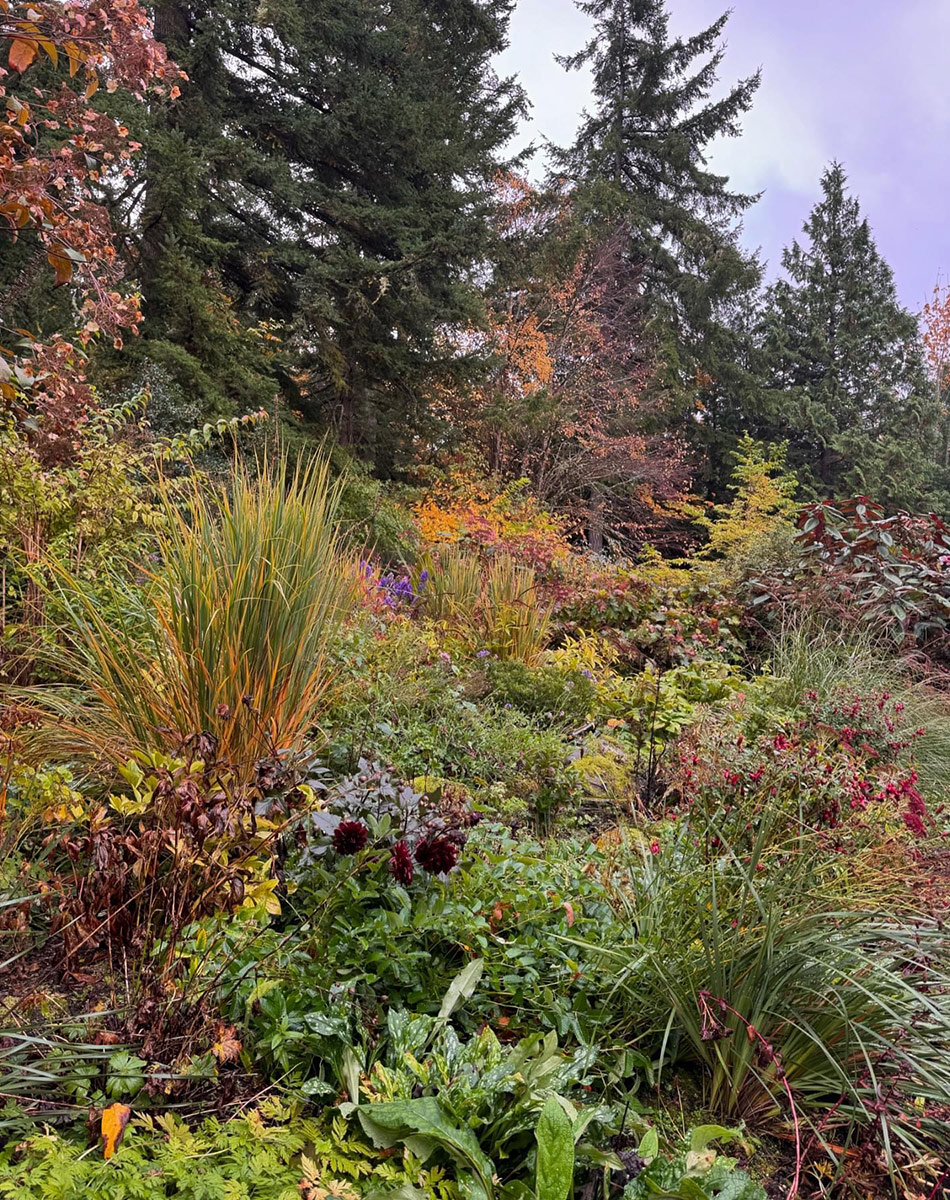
453,590
230,634
743,968
518,621
493,607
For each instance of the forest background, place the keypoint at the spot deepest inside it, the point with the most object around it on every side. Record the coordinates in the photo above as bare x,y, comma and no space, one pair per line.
321,217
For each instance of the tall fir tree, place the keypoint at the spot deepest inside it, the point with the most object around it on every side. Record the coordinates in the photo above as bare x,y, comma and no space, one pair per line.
329,170
204,269
641,156
845,373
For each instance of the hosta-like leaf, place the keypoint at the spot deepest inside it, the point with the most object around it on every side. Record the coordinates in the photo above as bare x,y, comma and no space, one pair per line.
422,1125
555,1138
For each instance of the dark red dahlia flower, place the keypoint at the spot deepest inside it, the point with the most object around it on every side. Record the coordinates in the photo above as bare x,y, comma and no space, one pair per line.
437,855
350,837
400,864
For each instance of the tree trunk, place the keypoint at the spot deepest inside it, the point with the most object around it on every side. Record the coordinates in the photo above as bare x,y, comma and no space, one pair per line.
595,529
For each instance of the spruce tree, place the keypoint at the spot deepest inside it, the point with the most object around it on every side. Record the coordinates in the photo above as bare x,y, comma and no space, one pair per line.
641,156
328,170
846,379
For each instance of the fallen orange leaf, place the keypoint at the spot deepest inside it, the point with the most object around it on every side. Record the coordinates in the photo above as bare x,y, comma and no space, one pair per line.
114,1120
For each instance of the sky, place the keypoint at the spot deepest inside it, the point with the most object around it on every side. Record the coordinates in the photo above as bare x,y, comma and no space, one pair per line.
866,82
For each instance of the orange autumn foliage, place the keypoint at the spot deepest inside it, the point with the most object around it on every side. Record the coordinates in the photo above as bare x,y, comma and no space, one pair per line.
56,147
563,404
114,1120
507,520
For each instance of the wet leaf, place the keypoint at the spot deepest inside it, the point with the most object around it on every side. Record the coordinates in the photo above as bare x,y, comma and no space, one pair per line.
228,1046
114,1120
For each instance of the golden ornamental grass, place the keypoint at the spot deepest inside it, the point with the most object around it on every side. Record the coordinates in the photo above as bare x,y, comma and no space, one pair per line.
493,606
231,634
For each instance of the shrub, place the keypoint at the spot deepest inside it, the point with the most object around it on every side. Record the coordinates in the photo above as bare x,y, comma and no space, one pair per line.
370,941
754,530
187,839
841,769
414,707
507,521
861,566
815,656
558,694
642,621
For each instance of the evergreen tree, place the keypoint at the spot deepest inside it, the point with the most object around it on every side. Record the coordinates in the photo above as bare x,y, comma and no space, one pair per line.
329,170
845,367
642,157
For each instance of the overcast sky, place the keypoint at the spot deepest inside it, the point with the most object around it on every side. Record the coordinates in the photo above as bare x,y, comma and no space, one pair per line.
863,81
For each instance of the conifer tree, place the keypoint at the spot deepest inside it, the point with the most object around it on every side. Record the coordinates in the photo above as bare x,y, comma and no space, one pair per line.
641,155
845,365
329,170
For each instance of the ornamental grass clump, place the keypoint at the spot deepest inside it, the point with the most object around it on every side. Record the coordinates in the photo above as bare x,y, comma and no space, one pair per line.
494,608
792,1008
230,635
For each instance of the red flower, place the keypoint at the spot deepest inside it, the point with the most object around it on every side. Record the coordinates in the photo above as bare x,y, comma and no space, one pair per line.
400,864
437,855
654,847
350,837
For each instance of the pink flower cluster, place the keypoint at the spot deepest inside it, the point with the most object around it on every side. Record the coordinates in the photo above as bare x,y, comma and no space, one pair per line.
830,769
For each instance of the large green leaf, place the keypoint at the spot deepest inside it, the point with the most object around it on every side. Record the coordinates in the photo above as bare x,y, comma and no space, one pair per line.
649,1146
555,1137
702,1135
461,988
423,1126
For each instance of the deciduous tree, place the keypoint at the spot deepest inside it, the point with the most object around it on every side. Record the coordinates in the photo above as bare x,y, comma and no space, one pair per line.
564,403
56,145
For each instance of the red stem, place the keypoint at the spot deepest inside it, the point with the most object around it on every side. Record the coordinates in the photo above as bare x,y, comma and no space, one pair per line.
703,999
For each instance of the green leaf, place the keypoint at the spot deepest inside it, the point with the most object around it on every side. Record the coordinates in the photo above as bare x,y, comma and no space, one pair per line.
405,1191
325,1025
738,1186
689,1189
317,1087
649,1146
422,1126
350,1070
555,1137
702,1135
461,988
